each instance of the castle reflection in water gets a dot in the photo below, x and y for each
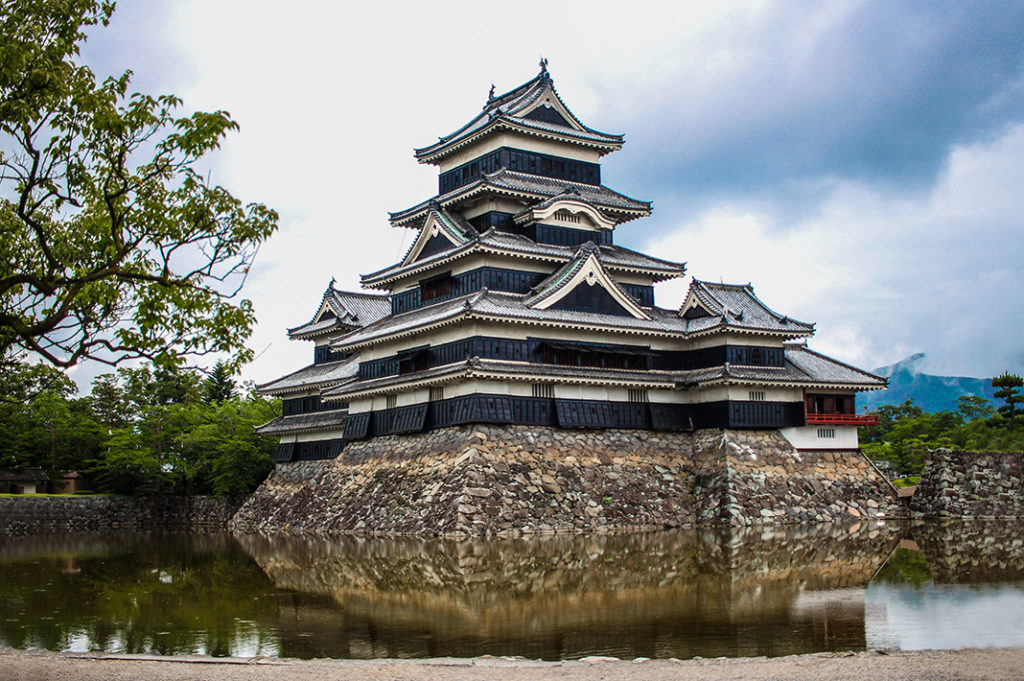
(679, 594)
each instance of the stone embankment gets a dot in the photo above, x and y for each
(486, 480)
(970, 485)
(23, 515)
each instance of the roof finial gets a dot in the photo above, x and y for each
(544, 65)
(332, 282)
(490, 95)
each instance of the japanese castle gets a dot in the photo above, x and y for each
(515, 305)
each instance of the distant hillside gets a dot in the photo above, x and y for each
(931, 393)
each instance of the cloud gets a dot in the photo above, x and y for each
(797, 97)
(859, 162)
(886, 275)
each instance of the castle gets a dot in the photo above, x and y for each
(514, 310)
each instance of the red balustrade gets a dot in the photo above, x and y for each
(842, 420)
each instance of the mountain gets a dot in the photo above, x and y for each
(931, 393)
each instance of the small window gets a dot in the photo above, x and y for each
(437, 394)
(757, 396)
(826, 433)
(436, 287)
(544, 390)
(638, 396)
(392, 401)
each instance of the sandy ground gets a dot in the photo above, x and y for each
(991, 664)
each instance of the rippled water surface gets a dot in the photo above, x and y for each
(672, 594)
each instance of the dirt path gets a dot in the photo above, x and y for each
(999, 664)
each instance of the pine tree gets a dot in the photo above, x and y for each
(1009, 390)
(219, 386)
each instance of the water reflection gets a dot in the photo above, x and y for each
(677, 594)
(134, 593)
(948, 586)
(673, 594)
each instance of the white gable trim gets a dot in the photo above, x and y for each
(693, 302)
(593, 274)
(550, 99)
(431, 227)
(574, 207)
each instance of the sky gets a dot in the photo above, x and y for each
(860, 163)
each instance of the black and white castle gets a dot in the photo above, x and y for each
(514, 305)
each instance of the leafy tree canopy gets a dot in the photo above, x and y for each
(112, 244)
(905, 432)
(142, 430)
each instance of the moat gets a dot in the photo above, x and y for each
(684, 593)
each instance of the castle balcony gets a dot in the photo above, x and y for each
(842, 420)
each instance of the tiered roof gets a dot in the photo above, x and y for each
(314, 376)
(515, 308)
(495, 242)
(585, 268)
(802, 368)
(527, 187)
(343, 311)
(511, 111)
(578, 299)
(714, 307)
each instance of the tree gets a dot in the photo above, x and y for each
(112, 244)
(219, 386)
(973, 407)
(1009, 390)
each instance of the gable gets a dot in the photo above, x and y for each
(549, 108)
(435, 244)
(435, 237)
(695, 308)
(584, 285)
(570, 211)
(587, 298)
(548, 115)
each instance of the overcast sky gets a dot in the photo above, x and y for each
(861, 163)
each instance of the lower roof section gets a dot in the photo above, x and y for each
(304, 423)
(802, 368)
(313, 377)
(569, 413)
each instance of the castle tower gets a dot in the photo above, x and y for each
(516, 308)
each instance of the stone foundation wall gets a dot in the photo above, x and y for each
(971, 485)
(30, 515)
(484, 480)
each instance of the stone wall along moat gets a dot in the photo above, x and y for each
(487, 480)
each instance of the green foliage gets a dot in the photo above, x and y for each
(219, 385)
(142, 430)
(1009, 390)
(906, 566)
(112, 244)
(905, 433)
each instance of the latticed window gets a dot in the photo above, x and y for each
(826, 432)
(437, 394)
(544, 390)
(392, 401)
(637, 395)
(757, 396)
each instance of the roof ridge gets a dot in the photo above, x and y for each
(806, 349)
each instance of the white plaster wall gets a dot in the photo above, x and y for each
(313, 437)
(360, 406)
(740, 393)
(517, 141)
(806, 437)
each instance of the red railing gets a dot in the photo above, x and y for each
(842, 420)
